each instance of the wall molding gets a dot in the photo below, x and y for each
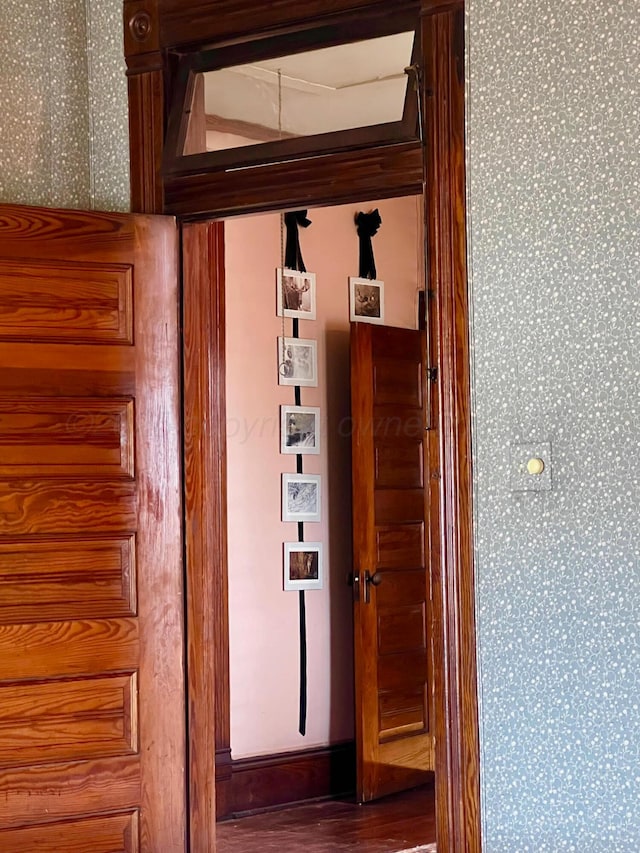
(268, 781)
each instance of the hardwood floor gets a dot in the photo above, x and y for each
(396, 823)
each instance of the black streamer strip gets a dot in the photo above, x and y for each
(293, 261)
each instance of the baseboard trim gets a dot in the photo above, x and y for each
(270, 781)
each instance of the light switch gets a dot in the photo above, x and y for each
(530, 469)
(535, 465)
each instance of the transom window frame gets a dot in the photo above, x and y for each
(183, 106)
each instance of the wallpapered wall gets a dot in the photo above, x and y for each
(63, 101)
(553, 161)
(554, 165)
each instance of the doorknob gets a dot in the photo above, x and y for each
(369, 581)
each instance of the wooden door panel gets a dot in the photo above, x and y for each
(71, 720)
(397, 382)
(401, 628)
(390, 500)
(399, 464)
(45, 795)
(66, 438)
(71, 578)
(402, 712)
(52, 301)
(113, 834)
(66, 649)
(37, 506)
(91, 636)
(400, 546)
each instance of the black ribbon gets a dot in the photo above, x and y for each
(292, 254)
(302, 728)
(367, 225)
(293, 261)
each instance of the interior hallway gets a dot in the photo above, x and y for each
(397, 823)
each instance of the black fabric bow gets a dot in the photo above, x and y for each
(367, 224)
(292, 254)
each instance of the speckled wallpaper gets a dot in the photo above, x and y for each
(63, 102)
(554, 214)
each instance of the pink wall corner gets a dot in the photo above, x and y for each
(263, 618)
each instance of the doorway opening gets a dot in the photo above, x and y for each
(264, 762)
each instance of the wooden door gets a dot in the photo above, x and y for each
(91, 638)
(391, 581)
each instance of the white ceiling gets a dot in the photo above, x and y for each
(336, 88)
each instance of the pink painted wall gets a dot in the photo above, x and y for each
(264, 618)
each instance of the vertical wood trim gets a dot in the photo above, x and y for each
(206, 522)
(146, 123)
(457, 746)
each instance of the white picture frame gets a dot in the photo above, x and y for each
(366, 300)
(300, 430)
(298, 362)
(295, 294)
(302, 566)
(301, 497)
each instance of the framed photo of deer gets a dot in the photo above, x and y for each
(296, 294)
(366, 300)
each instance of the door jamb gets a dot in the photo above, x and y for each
(455, 696)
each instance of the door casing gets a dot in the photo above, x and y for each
(155, 32)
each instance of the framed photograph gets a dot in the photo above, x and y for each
(296, 294)
(366, 300)
(301, 497)
(297, 362)
(303, 565)
(299, 429)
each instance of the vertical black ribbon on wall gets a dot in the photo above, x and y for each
(293, 261)
(367, 225)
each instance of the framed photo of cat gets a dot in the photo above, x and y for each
(366, 300)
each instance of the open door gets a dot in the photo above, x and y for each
(394, 742)
(92, 740)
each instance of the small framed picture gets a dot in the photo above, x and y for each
(297, 362)
(301, 497)
(296, 294)
(366, 300)
(303, 565)
(299, 429)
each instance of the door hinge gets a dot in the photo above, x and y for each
(432, 374)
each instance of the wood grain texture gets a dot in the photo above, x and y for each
(66, 438)
(206, 521)
(67, 720)
(332, 179)
(111, 834)
(205, 22)
(211, 21)
(47, 793)
(70, 302)
(58, 578)
(91, 653)
(141, 28)
(392, 641)
(290, 777)
(146, 139)
(456, 716)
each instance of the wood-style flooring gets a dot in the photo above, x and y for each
(396, 823)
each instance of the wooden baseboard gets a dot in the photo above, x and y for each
(269, 781)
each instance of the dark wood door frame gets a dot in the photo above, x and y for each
(154, 30)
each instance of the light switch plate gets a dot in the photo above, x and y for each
(520, 480)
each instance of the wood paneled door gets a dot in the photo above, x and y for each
(394, 740)
(92, 741)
